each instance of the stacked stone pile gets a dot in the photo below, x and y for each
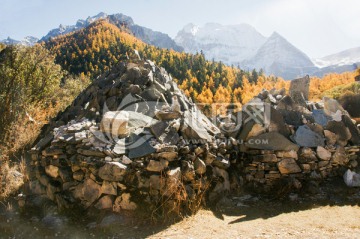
(133, 140)
(296, 139)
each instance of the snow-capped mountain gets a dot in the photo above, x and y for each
(27, 41)
(62, 29)
(243, 45)
(230, 44)
(145, 34)
(347, 57)
(279, 57)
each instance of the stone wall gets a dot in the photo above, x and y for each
(133, 140)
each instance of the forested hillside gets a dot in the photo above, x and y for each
(94, 50)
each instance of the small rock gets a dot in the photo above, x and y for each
(188, 171)
(167, 115)
(221, 162)
(256, 130)
(170, 156)
(78, 175)
(353, 163)
(52, 171)
(322, 153)
(88, 192)
(321, 117)
(288, 165)
(343, 134)
(112, 171)
(115, 123)
(266, 158)
(352, 179)
(109, 188)
(339, 157)
(209, 158)
(290, 154)
(330, 137)
(125, 160)
(106, 202)
(123, 202)
(157, 166)
(200, 167)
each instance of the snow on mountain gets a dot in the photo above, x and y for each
(347, 57)
(27, 41)
(243, 45)
(279, 57)
(145, 34)
(63, 29)
(10, 41)
(230, 44)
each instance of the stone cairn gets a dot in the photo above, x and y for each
(296, 140)
(133, 140)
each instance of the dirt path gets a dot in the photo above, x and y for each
(320, 222)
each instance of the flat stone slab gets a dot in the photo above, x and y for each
(271, 141)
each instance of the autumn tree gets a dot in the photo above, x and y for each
(28, 75)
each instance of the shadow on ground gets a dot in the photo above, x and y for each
(332, 192)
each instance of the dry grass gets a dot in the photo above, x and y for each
(175, 202)
(11, 179)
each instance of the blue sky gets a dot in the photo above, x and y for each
(317, 27)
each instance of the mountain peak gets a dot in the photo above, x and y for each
(191, 28)
(27, 41)
(120, 20)
(276, 35)
(279, 57)
(233, 43)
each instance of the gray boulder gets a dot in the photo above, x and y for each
(305, 137)
(271, 141)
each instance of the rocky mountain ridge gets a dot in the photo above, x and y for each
(120, 20)
(147, 35)
(27, 41)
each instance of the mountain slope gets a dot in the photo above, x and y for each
(120, 20)
(27, 41)
(229, 44)
(347, 57)
(94, 49)
(279, 57)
